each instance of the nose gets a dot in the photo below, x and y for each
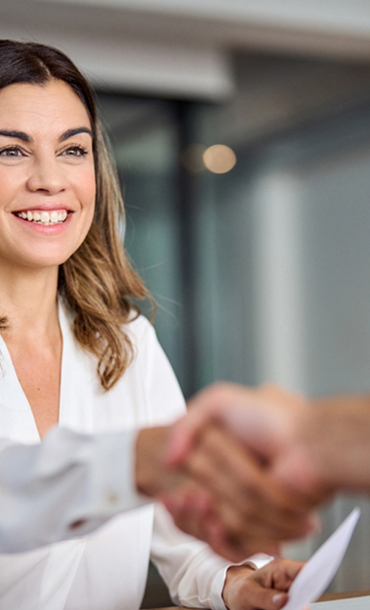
(46, 176)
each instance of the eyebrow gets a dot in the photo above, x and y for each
(73, 132)
(21, 135)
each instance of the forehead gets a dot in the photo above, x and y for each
(51, 108)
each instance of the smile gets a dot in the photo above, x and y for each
(43, 217)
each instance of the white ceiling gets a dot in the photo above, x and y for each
(183, 47)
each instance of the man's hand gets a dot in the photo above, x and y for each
(261, 419)
(259, 429)
(271, 424)
(255, 511)
(248, 466)
(221, 495)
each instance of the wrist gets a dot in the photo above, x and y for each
(149, 466)
(234, 579)
(339, 441)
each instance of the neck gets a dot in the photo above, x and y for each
(29, 301)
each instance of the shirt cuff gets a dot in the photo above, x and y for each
(115, 457)
(259, 560)
(217, 588)
(256, 561)
(111, 487)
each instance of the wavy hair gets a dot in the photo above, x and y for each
(97, 282)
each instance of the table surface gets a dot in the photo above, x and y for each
(327, 597)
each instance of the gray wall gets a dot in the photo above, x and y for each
(294, 286)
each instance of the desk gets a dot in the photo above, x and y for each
(326, 597)
(330, 596)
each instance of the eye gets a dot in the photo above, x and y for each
(75, 151)
(11, 151)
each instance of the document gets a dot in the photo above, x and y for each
(316, 575)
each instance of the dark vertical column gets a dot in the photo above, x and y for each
(186, 201)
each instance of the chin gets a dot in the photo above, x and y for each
(36, 262)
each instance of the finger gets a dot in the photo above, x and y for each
(297, 472)
(203, 522)
(256, 596)
(292, 568)
(288, 571)
(237, 407)
(279, 573)
(235, 546)
(222, 543)
(227, 470)
(192, 505)
(275, 393)
(244, 532)
(204, 526)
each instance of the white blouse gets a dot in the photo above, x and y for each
(105, 570)
(66, 487)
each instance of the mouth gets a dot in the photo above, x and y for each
(42, 217)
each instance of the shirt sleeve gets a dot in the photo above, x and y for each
(64, 487)
(193, 573)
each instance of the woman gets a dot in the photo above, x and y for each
(75, 352)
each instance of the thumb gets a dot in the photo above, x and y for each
(262, 430)
(296, 471)
(267, 599)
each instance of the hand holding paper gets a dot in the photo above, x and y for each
(316, 575)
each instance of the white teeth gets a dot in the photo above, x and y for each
(44, 218)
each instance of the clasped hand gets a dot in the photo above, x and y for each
(217, 474)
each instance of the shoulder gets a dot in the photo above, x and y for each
(163, 395)
(139, 329)
(148, 352)
(143, 337)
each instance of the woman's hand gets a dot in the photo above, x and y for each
(263, 589)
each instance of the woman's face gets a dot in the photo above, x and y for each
(47, 178)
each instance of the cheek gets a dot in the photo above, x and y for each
(10, 183)
(86, 190)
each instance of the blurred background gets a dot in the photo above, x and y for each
(241, 131)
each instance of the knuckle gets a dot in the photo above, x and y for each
(218, 393)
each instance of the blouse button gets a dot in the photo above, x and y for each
(113, 498)
(76, 524)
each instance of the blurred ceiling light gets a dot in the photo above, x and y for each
(192, 158)
(219, 159)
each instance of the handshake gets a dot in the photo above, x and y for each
(245, 469)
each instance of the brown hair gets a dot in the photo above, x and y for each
(97, 281)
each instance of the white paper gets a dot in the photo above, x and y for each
(316, 575)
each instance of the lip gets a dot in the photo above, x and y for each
(45, 208)
(46, 229)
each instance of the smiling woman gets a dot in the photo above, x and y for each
(75, 351)
(47, 176)
(50, 145)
